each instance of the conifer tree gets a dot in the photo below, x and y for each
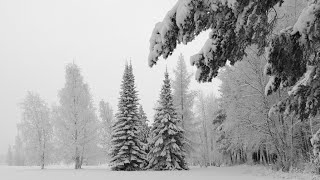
(126, 148)
(167, 142)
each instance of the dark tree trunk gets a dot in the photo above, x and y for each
(77, 163)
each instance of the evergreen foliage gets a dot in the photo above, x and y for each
(127, 152)
(234, 25)
(293, 57)
(167, 139)
(292, 53)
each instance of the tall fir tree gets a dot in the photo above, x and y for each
(167, 141)
(127, 152)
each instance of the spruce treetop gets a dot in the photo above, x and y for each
(127, 150)
(167, 151)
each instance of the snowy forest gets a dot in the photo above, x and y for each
(264, 52)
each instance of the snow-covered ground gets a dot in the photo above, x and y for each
(102, 173)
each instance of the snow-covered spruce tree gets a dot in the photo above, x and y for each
(127, 152)
(167, 142)
(106, 115)
(183, 100)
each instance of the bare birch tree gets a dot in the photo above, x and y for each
(35, 127)
(76, 122)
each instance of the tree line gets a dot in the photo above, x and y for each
(71, 132)
(68, 132)
(267, 113)
(189, 127)
(266, 53)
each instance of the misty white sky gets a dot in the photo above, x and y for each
(38, 38)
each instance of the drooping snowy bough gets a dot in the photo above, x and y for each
(234, 26)
(293, 54)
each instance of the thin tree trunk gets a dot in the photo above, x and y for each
(182, 105)
(291, 153)
(77, 158)
(264, 157)
(42, 160)
(260, 153)
(43, 151)
(268, 155)
(82, 154)
(204, 125)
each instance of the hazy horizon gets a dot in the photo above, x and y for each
(39, 38)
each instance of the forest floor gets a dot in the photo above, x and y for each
(243, 172)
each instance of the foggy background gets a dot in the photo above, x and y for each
(38, 38)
